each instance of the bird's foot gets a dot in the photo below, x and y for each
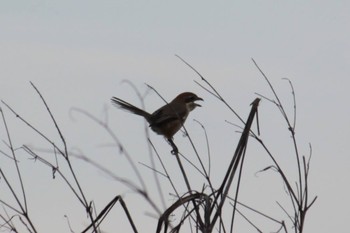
(174, 151)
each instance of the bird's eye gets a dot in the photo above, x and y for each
(190, 98)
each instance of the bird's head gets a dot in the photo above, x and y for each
(189, 99)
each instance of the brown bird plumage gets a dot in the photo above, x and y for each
(168, 119)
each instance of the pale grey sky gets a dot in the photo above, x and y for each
(78, 52)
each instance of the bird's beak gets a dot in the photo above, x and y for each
(198, 99)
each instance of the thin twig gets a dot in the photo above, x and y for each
(213, 91)
(116, 140)
(23, 207)
(208, 148)
(152, 169)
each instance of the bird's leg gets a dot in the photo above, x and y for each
(175, 150)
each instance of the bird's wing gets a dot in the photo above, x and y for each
(166, 115)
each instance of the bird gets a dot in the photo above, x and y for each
(168, 119)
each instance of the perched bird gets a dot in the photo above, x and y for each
(168, 119)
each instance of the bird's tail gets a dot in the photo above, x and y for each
(129, 107)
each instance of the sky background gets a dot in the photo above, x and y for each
(78, 52)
